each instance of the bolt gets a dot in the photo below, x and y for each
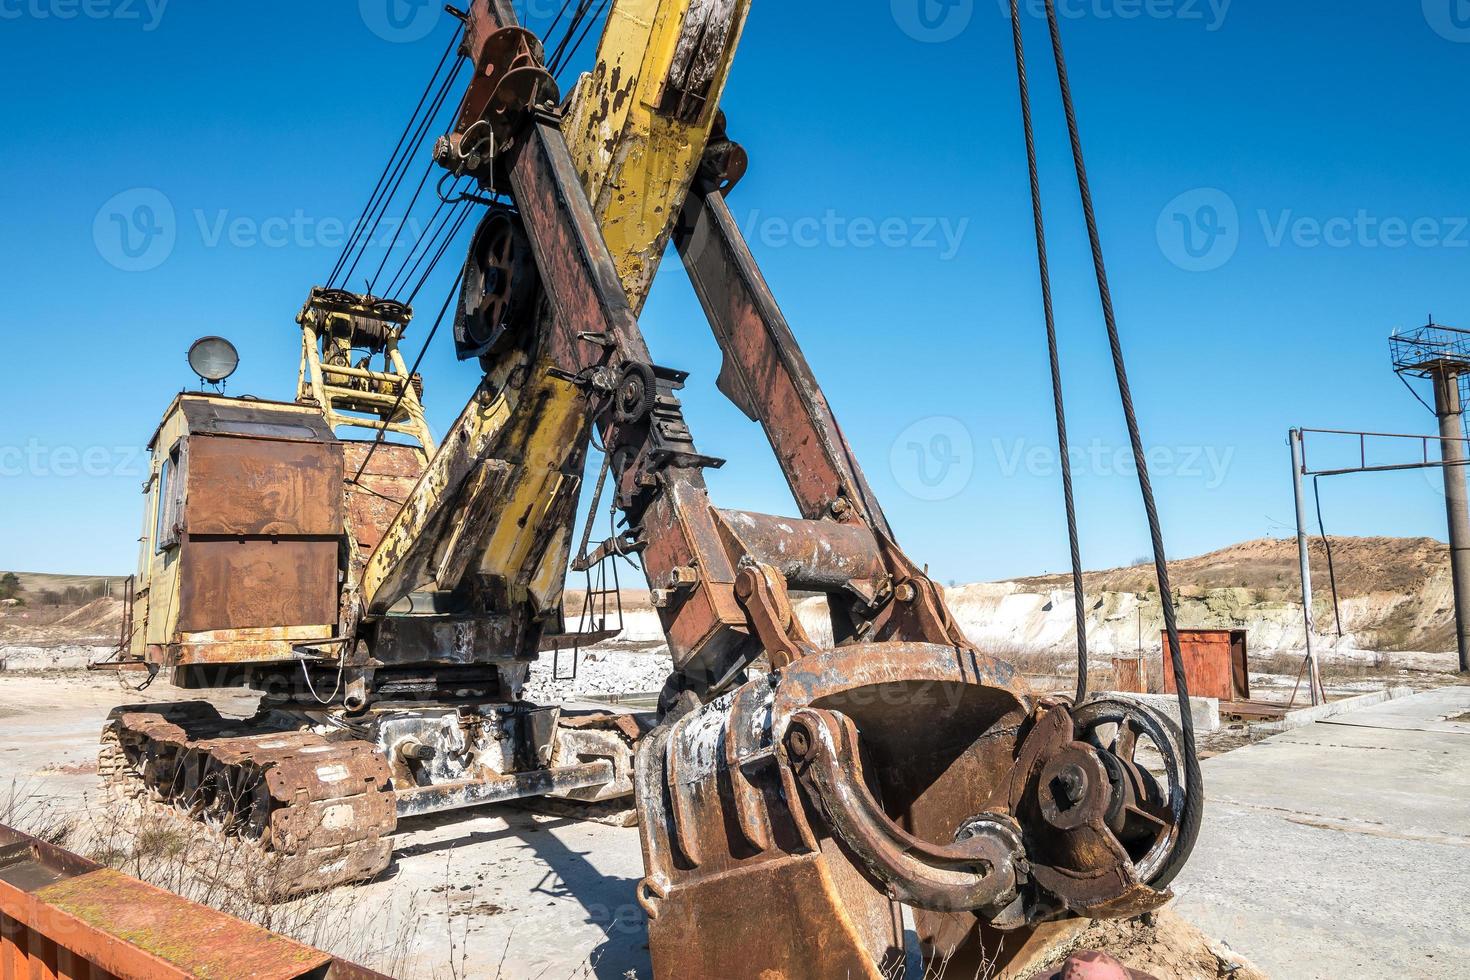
(840, 507)
(905, 593)
(417, 750)
(1072, 782)
(798, 742)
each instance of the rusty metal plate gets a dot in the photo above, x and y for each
(1214, 664)
(260, 487)
(63, 916)
(257, 584)
(215, 415)
(379, 493)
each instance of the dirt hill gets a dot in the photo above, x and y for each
(1395, 593)
(62, 610)
(1364, 566)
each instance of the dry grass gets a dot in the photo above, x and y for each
(23, 809)
(170, 852)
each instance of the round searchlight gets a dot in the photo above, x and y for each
(213, 358)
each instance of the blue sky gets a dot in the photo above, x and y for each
(1313, 152)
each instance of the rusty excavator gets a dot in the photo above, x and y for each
(862, 808)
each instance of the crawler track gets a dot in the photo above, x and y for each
(318, 811)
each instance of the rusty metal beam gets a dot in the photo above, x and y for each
(765, 373)
(62, 916)
(520, 786)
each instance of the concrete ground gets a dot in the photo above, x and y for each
(1339, 849)
(1334, 850)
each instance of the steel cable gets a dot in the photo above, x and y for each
(1194, 800)
(1058, 402)
(365, 240)
(407, 382)
(566, 54)
(408, 128)
(409, 267)
(398, 232)
(583, 7)
(464, 214)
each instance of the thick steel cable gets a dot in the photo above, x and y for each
(560, 14)
(583, 7)
(409, 267)
(388, 168)
(1194, 800)
(408, 381)
(449, 240)
(1079, 600)
(409, 271)
(398, 232)
(565, 58)
(365, 240)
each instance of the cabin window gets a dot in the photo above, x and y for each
(170, 500)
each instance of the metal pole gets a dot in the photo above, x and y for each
(1448, 406)
(1298, 469)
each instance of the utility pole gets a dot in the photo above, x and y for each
(1441, 355)
(1451, 412)
(1298, 470)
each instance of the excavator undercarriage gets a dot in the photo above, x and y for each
(807, 809)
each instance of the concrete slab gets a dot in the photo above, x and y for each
(1431, 711)
(1339, 849)
(1204, 711)
(1321, 712)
